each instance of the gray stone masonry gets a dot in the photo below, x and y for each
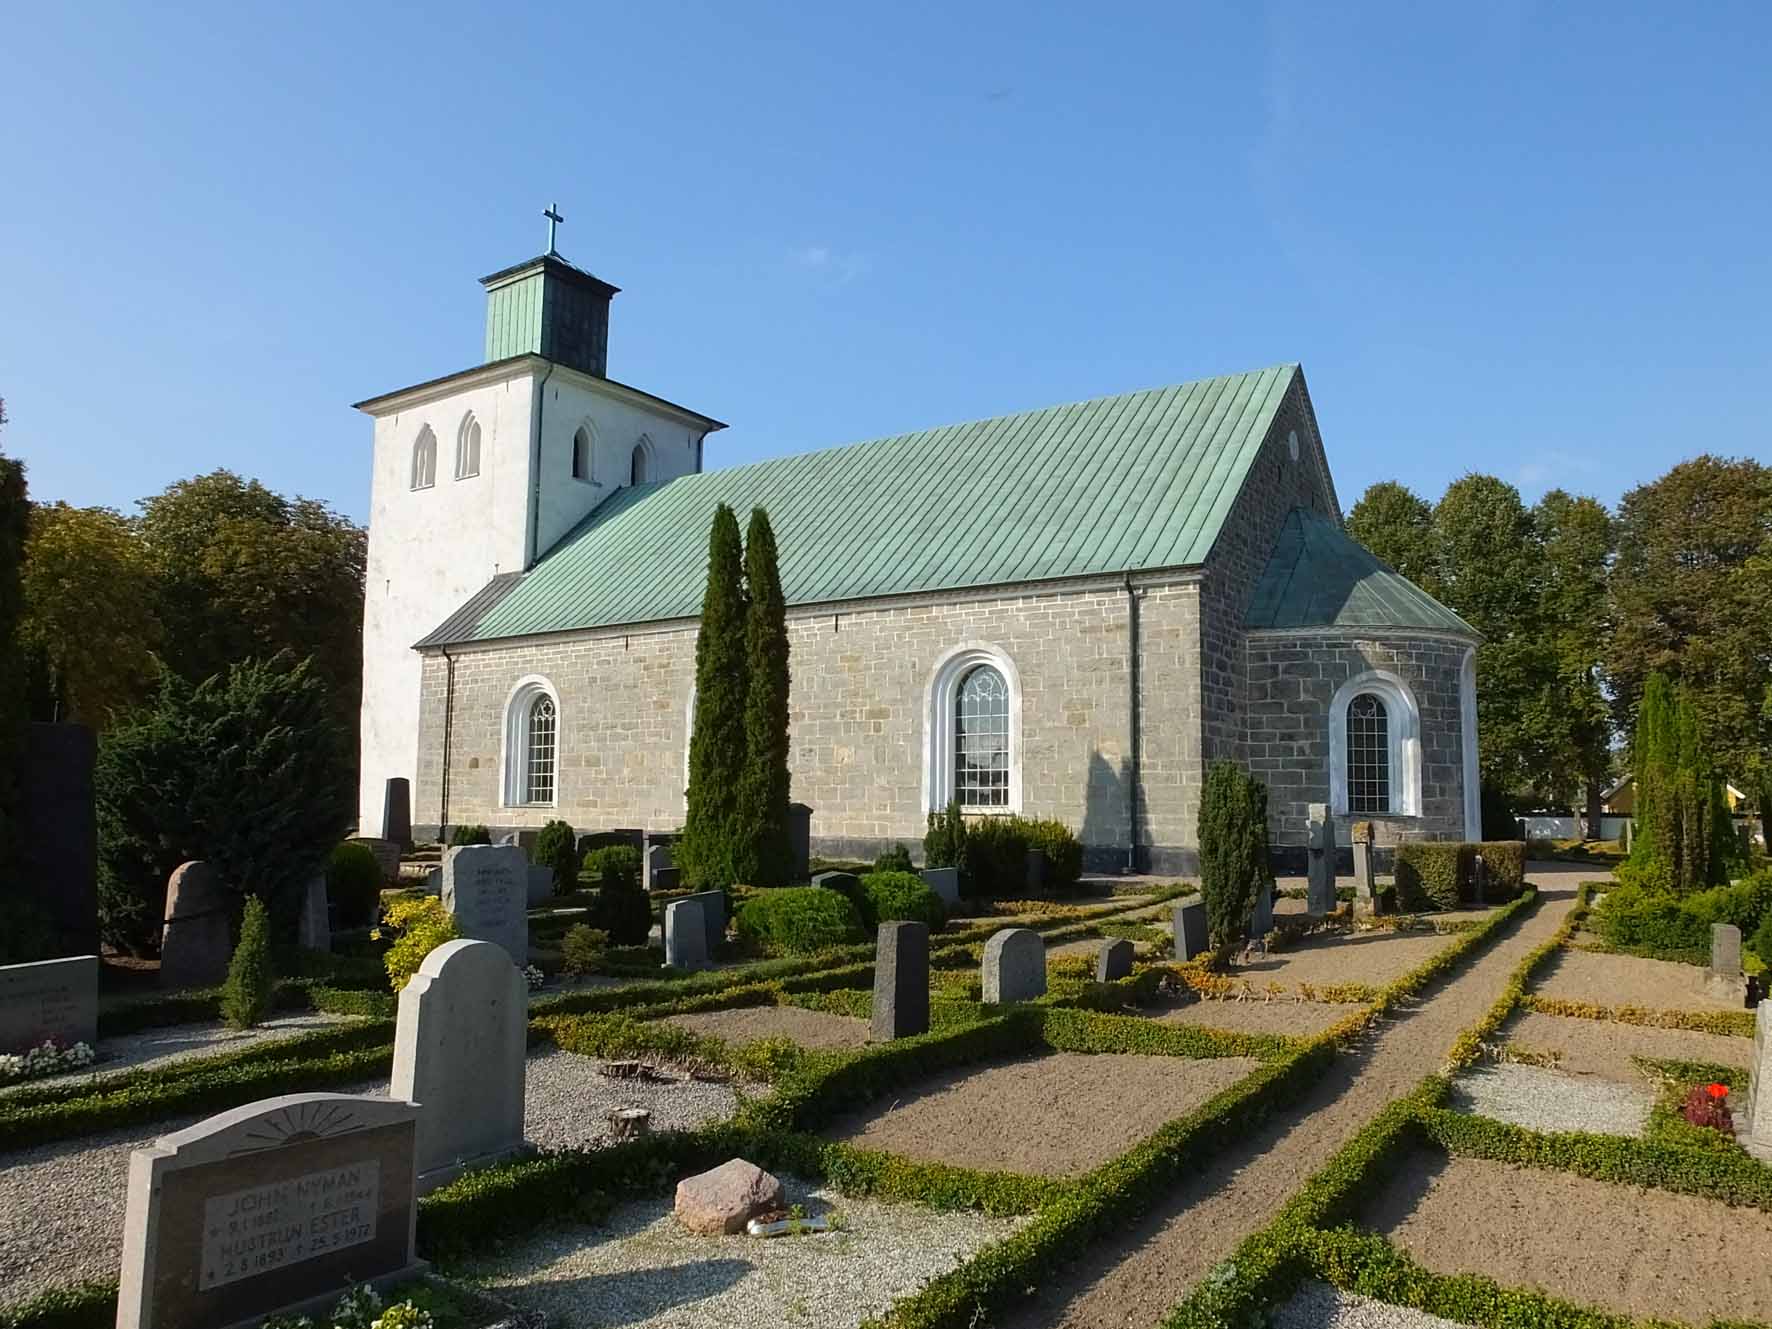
(1113, 960)
(1014, 966)
(1189, 924)
(195, 945)
(901, 981)
(685, 935)
(945, 882)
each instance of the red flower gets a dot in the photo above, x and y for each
(1717, 1090)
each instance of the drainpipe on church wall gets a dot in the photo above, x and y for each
(541, 398)
(448, 727)
(1131, 727)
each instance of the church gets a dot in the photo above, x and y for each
(1067, 612)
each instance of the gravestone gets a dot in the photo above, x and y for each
(1014, 966)
(901, 981)
(540, 884)
(1036, 871)
(659, 859)
(1365, 879)
(459, 1043)
(486, 887)
(1320, 890)
(387, 857)
(55, 1000)
(53, 862)
(1113, 960)
(1755, 1135)
(195, 945)
(685, 935)
(945, 882)
(396, 811)
(845, 883)
(1724, 978)
(713, 912)
(313, 929)
(277, 1206)
(800, 840)
(1261, 917)
(1190, 928)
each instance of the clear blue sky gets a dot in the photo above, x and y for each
(1527, 239)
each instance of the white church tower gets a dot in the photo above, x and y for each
(478, 474)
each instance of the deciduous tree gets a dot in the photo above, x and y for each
(1395, 524)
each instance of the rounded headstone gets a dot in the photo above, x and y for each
(195, 944)
(1014, 966)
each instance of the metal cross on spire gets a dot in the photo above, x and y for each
(554, 219)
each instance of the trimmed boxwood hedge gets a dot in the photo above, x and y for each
(1431, 874)
(893, 896)
(797, 920)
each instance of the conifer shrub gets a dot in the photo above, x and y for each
(583, 948)
(1233, 851)
(763, 854)
(1652, 919)
(713, 843)
(995, 862)
(353, 883)
(622, 908)
(557, 848)
(420, 925)
(470, 835)
(1431, 874)
(246, 995)
(895, 859)
(944, 842)
(1062, 848)
(1506, 861)
(797, 920)
(892, 896)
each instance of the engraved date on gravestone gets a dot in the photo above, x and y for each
(252, 1232)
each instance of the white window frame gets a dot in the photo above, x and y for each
(1402, 727)
(467, 448)
(940, 696)
(514, 756)
(424, 459)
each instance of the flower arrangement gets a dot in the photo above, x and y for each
(534, 977)
(360, 1308)
(47, 1058)
(1708, 1105)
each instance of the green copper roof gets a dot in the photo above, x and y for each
(1113, 485)
(1318, 577)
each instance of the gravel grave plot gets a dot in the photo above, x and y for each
(810, 1029)
(162, 1047)
(1297, 1019)
(639, 1269)
(1626, 980)
(61, 1204)
(1347, 957)
(1054, 1115)
(1638, 1251)
(1605, 1047)
(1547, 1100)
(1320, 1306)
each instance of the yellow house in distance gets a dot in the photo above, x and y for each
(1621, 798)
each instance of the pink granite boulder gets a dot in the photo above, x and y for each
(724, 1200)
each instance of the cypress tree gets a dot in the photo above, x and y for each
(717, 742)
(1684, 832)
(1651, 767)
(765, 856)
(246, 997)
(1233, 851)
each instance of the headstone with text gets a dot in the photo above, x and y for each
(459, 1043)
(195, 943)
(49, 1000)
(1014, 966)
(486, 887)
(274, 1207)
(901, 981)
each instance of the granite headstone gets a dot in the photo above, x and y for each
(486, 887)
(313, 928)
(396, 811)
(387, 856)
(713, 912)
(1261, 917)
(901, 981)
(1113, 960)
(945, 882)
(1190, 928)
(1014, 966)
(685, 935)
(845, 883)
(539, 880)
(1724, 979)
(659, 859)
(1320, 882)
(54, 1000)
(1755, 1135)
(195, 944)
(799, 841)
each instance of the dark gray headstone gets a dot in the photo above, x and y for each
(658, 859)
(800, 840)
(195, 944)
(396, 811)
(1113, 960)
(313, 929)
(685, 935)
(611, 839)
(387, 856)
(1036, 871)
(945, 882)
(845, 882)
(1190, 928)
(901, 981)
(1261, 918)
(713, 912)
(1725, 950)
(1320, 884)
(56, 863)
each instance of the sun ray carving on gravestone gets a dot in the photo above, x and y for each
(297, 1124)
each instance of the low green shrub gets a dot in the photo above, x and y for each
(891, 896)
(420, 926)
(583, 948)
(1654, 920)
(993, 855)
(796, 920)
(246, 996)
(1506, 861)
(91, 1305)
(353, 883)
(557, 848)
(895, 859)
(944, 842)
(1063, 851)
(1430, 874)
(621, 908)
(470, 835)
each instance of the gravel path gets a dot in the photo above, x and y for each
(61, 1205)
(1546, 1100)
(1320, 1306)
(162, 1047)
(1136, 1276)
(640, 1269)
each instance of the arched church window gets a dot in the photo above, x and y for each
(981, 739)
(637, 472)
(581, 454)
(467, 448)
(1368, 755)
(532, 745)
(424, 459)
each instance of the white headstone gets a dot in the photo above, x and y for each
(1014, 966)
(55, 1000)
(686, 934)
(1755, 1134)
(459, 1044)
(486, 887)
(277, 1206)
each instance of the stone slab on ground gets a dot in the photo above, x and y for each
(747, 1024)
(1628, 980)
(1322, 959)
(1545, 1100)
(1054, 1115)
(1320, 1306)
(1605, 1047)
(1674, 1256)
(1295, 1019)
(640, 1270)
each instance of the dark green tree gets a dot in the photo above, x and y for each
(764, 856)
(246, 995)
(557, 848)
(708, 850)
(1395, 524)
(1233, 851)
(1684, 840)
(246, 770)
(15, 510)
(1575, 536)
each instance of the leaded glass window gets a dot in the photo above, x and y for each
(538, 775)
(1368, 755)
(981, 740)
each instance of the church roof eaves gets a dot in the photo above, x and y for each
(1318, 576)
(1130, 483)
